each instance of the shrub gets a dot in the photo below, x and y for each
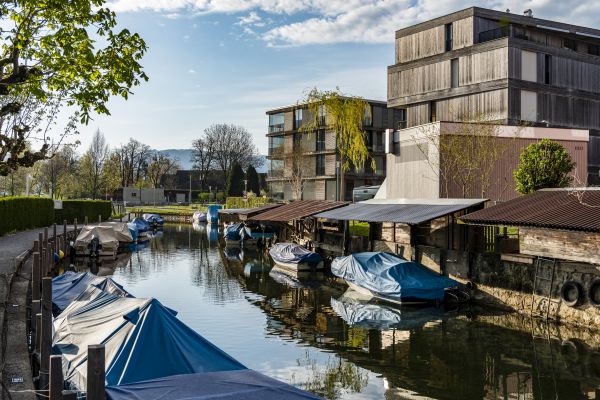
(80, 209)
(240, 202)
(219, 196)
(20, 213)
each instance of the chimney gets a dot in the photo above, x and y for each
(528, 13)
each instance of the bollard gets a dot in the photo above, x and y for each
(40, 240)
(95, 373)
(56, 378)
(46, 340)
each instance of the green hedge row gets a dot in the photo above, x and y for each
(240, 202)
(20, 213)
(80, 209)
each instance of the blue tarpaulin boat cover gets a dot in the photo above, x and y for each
(235, 232)
(223, 385)
(142, 225)
(143, 340)
(153, 219)
(133, 230)
(293, 253)
(357, 312)
(68, 286)
(212, 213)
(391, 276)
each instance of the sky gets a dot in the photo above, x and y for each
(229, 61)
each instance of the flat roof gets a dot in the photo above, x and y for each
(297, 210)
(300, 105)
(576, 209)
(403, 211)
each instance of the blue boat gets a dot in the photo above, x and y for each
(155, 220)
(143, 228)
(133, 230)
(391, 278)
(295, 257)
(212, 213)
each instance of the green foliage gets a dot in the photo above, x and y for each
(253, 180)
(545, 164)
(240, 202)
(359, 228)
(345, 115)
(81, 208)
(219, 196)
(20, 213)
(235, 181)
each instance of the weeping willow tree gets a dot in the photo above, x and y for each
(345, 115)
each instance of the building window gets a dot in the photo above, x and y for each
(368, 119)
(448, 35)
(320, 165)
(322, 115)
(593, 50)
(276, 145)
(570, 44)
(432, 112)
(454, 72)
(320, 145)
(276, 122)
(396, 143)
(528, 106)
(400, 118)
(297, 118)
(548, 69)
(377, 140)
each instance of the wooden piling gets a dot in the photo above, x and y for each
(36, 277)
(66, 236)
(75, 224)
(54, 232)
(85, 221)
(69, 395)
(36, 246)
(99, 218)
(46, 344)
(56, 378)
(95, 373)
(45, 235)
(41, 240)
(38, 332)
(35, 310)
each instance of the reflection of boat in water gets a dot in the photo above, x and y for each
(198, 217)
(295, 257)
(391, 278)
(198, 227)
(357, 310)
(234, 254)
(296, 279)
(255, 265)
(212, 232)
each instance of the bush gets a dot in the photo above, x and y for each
(240, 202)
(81, 208)
(220, 196)
(20, 213)
(203, 197)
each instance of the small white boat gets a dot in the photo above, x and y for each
(199, 217)
(295, 257)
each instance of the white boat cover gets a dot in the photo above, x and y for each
(121, 231)
(106, 234)
(143, 341)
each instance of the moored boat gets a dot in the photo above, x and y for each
(155, 220)
(97, 241)
(295, 257)
(393, 279)
(143, 228)
(199, 217)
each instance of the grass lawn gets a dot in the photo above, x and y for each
(358, 228)
(168, 210)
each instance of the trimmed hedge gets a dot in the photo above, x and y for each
(80, 209)
(240, 202)
(20, 213)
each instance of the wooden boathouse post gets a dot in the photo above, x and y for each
(56, 378)
(46, 345)
(96, 373)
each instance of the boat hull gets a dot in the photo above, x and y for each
(299, 266)
(366, 292)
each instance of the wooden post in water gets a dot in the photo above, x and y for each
(69, 395)
(36, 246)
(38, 332)
(54, 232)
(36, 277)
(46, 345)
(75, 224)
(99, 218)
(129, 216)
(66, 236)
(35, 311)
(40, 240)
(45, 235)
(85, 221)
(56, 378)
(95, 373)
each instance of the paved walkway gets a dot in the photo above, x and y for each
(15, 367)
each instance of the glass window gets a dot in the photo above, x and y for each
(368, 119)
(548, 69)
(570, 44)
(454, 72)
(276, 122)
(330, 190)
(276, 190)
(396, 143)
(322, 115)
(276, 145)
(320, 165)
(432, 112)
(448, 34)
(276, 168)
(379, 165)
(298, 118)
(320, 140)
(593, 50)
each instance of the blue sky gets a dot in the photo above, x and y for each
(213, 61)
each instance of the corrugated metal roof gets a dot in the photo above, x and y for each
(573, 209)
(410, 214)
(297, 210)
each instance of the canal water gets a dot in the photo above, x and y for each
(310, 332)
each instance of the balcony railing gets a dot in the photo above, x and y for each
(276, 128)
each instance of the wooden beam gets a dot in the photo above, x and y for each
(96, 373)
(56, 378)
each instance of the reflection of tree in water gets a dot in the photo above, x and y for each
(334, 379)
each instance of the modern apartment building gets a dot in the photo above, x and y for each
(510, 68)
(321, 177)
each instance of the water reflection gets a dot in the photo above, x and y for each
(307, 331)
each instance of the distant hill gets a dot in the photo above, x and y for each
(184, 156)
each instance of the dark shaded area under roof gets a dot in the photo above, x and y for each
(410, 214)
(297, 210)
(569, 209)
(245, 213)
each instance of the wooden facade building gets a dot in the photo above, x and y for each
(510, 68)
(319, 150)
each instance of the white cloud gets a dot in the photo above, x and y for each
(191, 71)
(353, 21)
